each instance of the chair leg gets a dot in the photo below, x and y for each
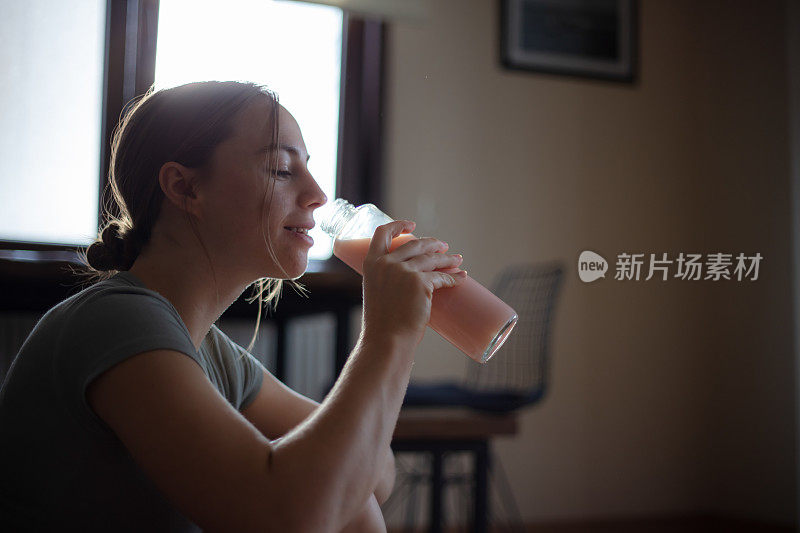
(436, 515)
(506, 509)
(417, 478)
(412, 479)
(455, 480)
(411, 510)
(449, 508)
(507, 499)
(464, 494)
(460, 482)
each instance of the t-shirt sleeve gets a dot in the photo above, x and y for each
(104, 330)
(236, 372)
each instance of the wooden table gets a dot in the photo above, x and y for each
(440, 430)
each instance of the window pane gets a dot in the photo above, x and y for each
(51, 60)
(291, 47)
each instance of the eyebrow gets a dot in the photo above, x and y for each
(288, 148)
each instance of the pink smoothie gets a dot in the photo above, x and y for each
(469, 315)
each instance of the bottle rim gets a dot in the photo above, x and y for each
(336, 217)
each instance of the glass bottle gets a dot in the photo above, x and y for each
(468, 315)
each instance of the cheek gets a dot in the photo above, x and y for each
(275, 209)
(249, 198)
(236, 212)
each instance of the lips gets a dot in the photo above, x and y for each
(301, 224)
(300, 236)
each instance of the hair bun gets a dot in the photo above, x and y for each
(115, 250)
(113, 239)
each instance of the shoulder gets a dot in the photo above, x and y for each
(111, 307)
(118, 296)
(96, 329)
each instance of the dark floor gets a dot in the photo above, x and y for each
(670, 525)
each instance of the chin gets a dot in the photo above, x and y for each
(294, 269)
(295, 275)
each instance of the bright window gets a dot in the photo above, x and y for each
(51, 63)
(293, 48)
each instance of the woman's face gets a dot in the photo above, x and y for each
(237, 191)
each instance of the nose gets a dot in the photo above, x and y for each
(315, 196)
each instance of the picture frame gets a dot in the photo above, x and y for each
(586, 38)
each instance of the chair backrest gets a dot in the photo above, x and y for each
(521, 364)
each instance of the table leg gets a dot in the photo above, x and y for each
(480, 491)
(436, 491)
(481, 500)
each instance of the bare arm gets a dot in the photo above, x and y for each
(347, 435)
(277, 409)
(369, 521)
(356, 421)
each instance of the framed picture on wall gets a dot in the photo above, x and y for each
(588, 38)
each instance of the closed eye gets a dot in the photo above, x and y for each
(284, 173)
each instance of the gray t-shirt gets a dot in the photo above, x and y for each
(61, 466)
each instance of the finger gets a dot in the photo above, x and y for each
(382, 238)
(417, 247)
(441, 280)
(449, 270)
(434, 261)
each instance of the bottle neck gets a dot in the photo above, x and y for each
(340, 213)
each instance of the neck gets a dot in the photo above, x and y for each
(188, 283)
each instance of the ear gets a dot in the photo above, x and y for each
(179, 184)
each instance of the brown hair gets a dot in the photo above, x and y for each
(184, 124)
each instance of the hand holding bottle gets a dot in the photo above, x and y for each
(399, 279)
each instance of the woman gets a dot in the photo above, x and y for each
(128, 410)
